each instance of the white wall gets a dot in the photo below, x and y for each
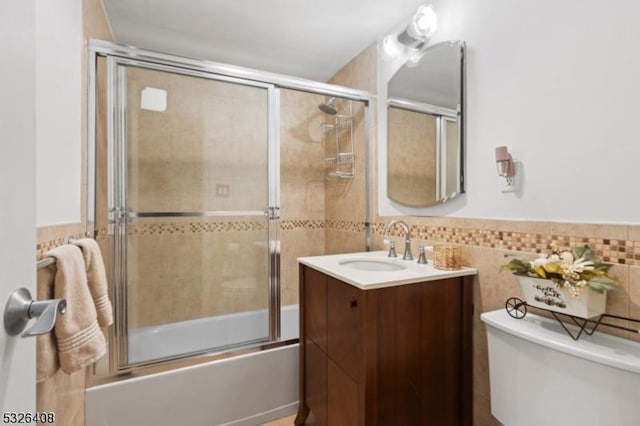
(17, 185)
(559, 83)
(58, 111)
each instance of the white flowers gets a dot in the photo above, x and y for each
(567, 257)
(582, 265)
(571, 270)
(566, 261)
(577, 287)
(578, 268)
(539, 262)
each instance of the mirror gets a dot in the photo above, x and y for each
(424, 128)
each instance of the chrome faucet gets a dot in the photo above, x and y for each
(407, 239)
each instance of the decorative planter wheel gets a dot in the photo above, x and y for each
(516, 307)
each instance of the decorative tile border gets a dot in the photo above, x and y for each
(302, 224)
(617, 251)
(345, 225)
(195, 227)
(102, 234)
(44, 246)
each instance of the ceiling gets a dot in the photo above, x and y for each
(302, 38)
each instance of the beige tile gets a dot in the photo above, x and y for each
(360, 72)
(178, 159)
(480, 360)
(634, 299)
(296, 243)
(337, 241)
(634, 232)
(600, 231)
(285, 421)
(95, 24)
(618, 301)
(411, 169)
(494, 287)
(63, 394)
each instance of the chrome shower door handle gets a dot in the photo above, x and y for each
(21, 308)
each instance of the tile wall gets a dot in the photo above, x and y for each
(206, 152)
(412, 162)
(302, 186)
(209, 266)
(346, 199)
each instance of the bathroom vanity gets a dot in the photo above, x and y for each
(384, 342)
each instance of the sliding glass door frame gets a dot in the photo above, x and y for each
(120, 214)
(117, 54)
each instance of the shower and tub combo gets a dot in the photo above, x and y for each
(242, 390)
(185, 187)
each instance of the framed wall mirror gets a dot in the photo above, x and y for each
(425, 134)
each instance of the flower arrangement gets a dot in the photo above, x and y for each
(578, 268)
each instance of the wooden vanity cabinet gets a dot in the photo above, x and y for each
(392, 356)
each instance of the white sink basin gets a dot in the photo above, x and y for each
(373, 269)
(374, 265)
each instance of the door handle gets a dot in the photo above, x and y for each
(21, 308)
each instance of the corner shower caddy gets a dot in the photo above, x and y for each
(517, 308)
(341, 162)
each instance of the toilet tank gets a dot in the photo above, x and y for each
(540, 376)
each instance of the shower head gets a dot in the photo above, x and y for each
(329, 107)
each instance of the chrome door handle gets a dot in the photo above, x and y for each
(21, 308)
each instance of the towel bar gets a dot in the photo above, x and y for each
(46, 261)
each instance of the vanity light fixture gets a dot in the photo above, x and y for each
(420, 29)
(416, 35)
(391, 46)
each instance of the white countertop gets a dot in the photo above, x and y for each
(367, 280)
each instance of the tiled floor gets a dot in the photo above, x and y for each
(285, 421)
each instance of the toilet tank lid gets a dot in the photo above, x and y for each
(601, 348)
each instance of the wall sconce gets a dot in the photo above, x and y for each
(506, 169)
(417, 33)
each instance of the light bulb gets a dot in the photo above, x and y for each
(391, 46)
(425, 22)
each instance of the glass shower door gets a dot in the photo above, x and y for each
(193, 193)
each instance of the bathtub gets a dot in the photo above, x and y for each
(245, 390)
(148, 343)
